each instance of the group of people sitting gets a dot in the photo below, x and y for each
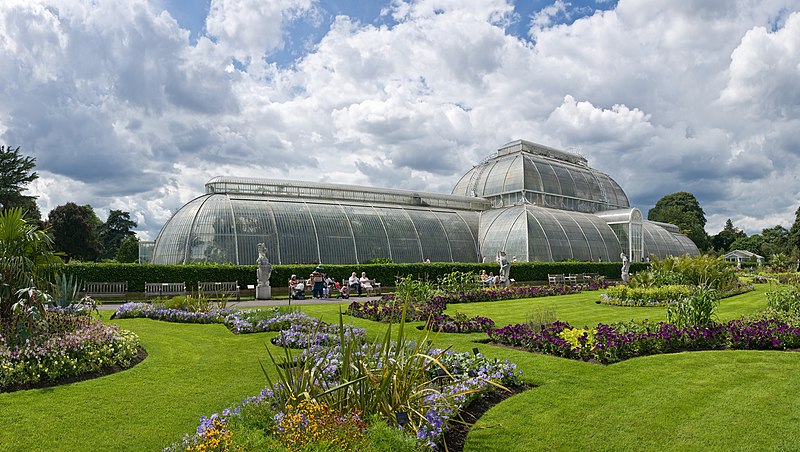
(323, 286)
(490, 279)
(354, 283)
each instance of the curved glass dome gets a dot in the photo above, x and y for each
(663, 239)
(227, 228)
(534, 233)
(528, 172)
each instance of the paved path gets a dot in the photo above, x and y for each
(113, 305)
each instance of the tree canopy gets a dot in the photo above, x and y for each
(683, 210)
(724, 239)
(16, 172)
(117, 227)
(74, 231)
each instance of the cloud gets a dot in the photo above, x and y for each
(123, 110)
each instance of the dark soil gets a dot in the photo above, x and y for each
(140, 356)
(454, 438)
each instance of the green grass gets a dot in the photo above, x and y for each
(701, 400)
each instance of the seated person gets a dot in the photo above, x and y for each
(485, 279)
(365, 283)
(297, 288)
(328, 287)
(490, 279)
(354, 284)
(342, 291)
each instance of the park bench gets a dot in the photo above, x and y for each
(218, 288)
(376, 286)
(555, 280)
(106, 289)
(164, 289)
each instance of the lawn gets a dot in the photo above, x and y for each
(701, 400)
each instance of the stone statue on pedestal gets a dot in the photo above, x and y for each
(263, 273)
(505, 268)
(626, 268)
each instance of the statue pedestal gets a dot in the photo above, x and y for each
(263, 293)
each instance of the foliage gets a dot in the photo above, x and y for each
(724, 239)
(26, 261)
(71, 345)
(784, 298)
(455, 282)
(117, 227)
(128, 250)
(411, 289)
(16, 172)
(74, 231)
(379, 261)
(696, 309)
(780, 262)
(578, 338)
(793, 240)
(701, 270)
(682, 210)
(388, 310)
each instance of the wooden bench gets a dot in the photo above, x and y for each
(217, 288)
(164, 289)
(555, 280)
(376, 286)
(106, 289)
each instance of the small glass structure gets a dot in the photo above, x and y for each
(534, 202)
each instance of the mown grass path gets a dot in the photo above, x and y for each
(689, 401)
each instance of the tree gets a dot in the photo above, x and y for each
(74, 231)
(26, 260)
(16, 172)
(776, 241)
(117, 227)
(722, 241)
(683, 210)
(128, 250)
(752, 243)
(794, 235)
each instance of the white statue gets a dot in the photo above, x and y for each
(264, 267)
(626, 268)
(505, 268)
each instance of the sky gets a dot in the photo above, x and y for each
(135, 104)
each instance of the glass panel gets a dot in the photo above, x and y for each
(403, 240)
(296, 238)
(371, 241)
(433, 238)
(336, 245)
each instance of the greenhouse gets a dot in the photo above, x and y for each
(534, 202)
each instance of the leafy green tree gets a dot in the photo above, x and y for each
(26, 260)
(751, 243)
(683, 210)
(776, 241)
(128, 250)
(74, 230)
(794, 235)
(723, 240)
(117, 227)
(16, 172)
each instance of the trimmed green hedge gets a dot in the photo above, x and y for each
(138, 274)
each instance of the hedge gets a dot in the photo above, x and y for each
(137, 274)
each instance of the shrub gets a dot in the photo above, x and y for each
(784, 298)
(459, 323)
(697, 308)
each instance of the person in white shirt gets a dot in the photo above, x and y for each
(354, 283)
(365, 283)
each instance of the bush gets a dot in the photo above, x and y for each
(784, 298)
(698, 308)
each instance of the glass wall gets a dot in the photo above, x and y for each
(226, 229)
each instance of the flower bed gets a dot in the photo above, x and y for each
(510, 293)
(618, 342)
(387, 310)
(448, 381)
(304, 334)
(79, 345)
(238, 321)
(459, 323)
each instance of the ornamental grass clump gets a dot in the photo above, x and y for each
(697, 308)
